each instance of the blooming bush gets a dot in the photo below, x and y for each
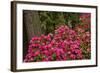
(84, 33)
(64, 44)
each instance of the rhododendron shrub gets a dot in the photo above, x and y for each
(64, 44)
(84, 32)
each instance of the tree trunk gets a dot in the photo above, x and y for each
(31, 27)
(32, 24)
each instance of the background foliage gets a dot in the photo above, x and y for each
(51, 20)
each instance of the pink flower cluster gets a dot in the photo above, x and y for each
(85, 19)
(62, 45)
(84, 34)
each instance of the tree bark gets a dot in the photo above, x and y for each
(32, 23)
(31, 27)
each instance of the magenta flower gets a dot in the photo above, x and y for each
(72, 56)
(36, 53)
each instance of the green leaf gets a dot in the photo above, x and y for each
(54, 56)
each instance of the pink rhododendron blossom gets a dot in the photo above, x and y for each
(64, 44)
